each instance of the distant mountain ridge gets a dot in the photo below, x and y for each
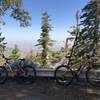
(26, 46)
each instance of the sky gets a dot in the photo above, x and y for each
(61, 12)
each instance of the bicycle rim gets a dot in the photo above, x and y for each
(93, 76)
(30, 74)
(63, 75)
(3, 75)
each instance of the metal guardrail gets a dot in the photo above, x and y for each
(49, 72)
(45, 72)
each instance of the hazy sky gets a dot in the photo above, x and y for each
(62, 13)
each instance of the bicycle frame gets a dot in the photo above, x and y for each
(9, 68)
(82, 64)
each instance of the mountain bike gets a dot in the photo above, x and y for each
(21, 72)
(64, 74)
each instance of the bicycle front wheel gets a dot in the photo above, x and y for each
(93, 75)
(3, 75)
(63, 75)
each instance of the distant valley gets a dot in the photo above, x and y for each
(26, 46)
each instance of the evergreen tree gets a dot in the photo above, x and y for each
(75, 30)
(15, 54)
(45, 40)
(2, 48)
(88, 39)
(17, 11)
(38, 59)
(2, 44)
(31, 55)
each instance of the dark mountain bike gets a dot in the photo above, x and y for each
(21, 72)
(64, 74)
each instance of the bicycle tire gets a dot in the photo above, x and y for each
(63, 79)
(3, 72)
(93, 75)
(27, 78)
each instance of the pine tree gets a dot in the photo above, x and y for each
(97, 49)
(88, 39)
(45, 40)
(75, 38)
(2, 48)
(2, 44)
(15, 54)
(90, 32)
(17, 11)
(31, 55)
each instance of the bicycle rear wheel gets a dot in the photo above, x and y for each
(30, 74)
(3, 75)
(63, 75)
(93, 75)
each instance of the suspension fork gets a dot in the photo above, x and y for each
(8, 67)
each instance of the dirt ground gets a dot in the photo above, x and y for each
(47, 89)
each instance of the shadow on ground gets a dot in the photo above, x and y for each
(47, 89)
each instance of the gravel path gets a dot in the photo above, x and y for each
(47, 89)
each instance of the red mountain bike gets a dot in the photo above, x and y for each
(20, 71)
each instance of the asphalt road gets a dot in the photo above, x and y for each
(47, 89)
